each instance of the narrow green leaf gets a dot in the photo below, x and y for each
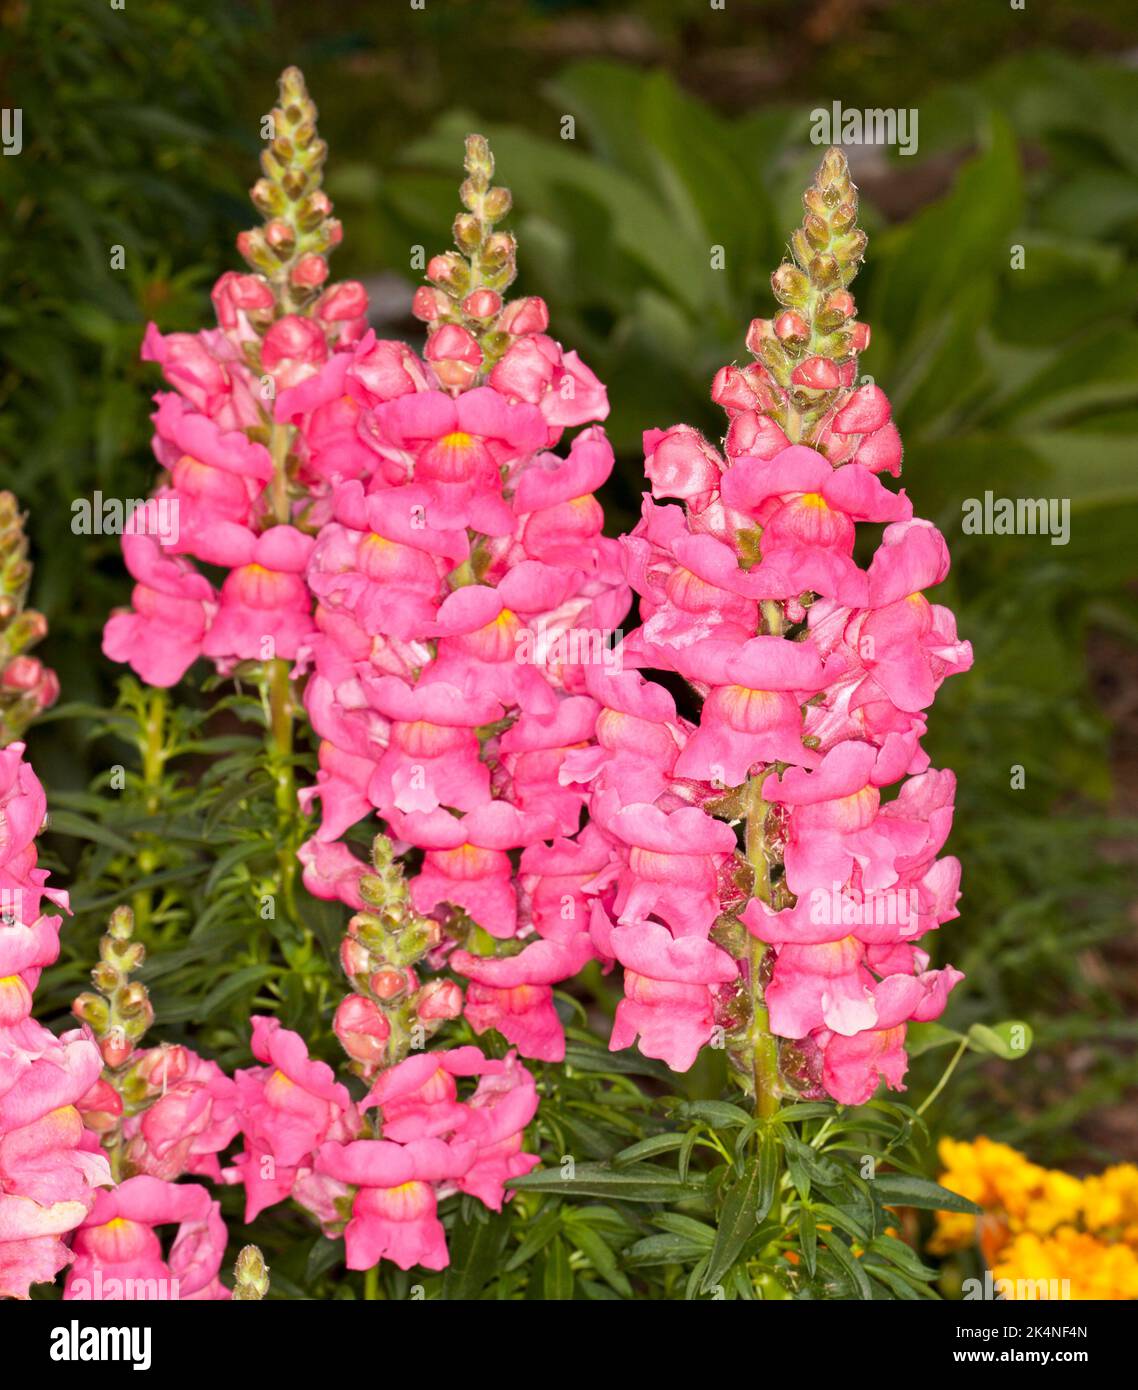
(848, 1261)
(745, 1205)
(901, 1190)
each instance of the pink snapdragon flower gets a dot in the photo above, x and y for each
(813, 676)
(48, 1172)
(118, 1253)
(288, 1108)
(437, 1144)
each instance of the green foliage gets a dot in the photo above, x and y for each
(185, 825)
(127, 137)
(1021, 381)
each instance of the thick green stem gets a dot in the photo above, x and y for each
(280, 440)
(281, 727)
(763, 1045)
(152, 747)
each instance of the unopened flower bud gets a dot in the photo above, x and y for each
(280, 236)
(791, 327)
(529, 315)
(309, 272)
(429, 304)
(439, 1000)
(251, 1276)
(390, 984)
(790, 285)
(355, 958)
(467, 232)
(758, 331)
(817, 373)
(859, 337)
(22, 673)
(107, 979)
(363, 1031)
(116, 1047)
(92, 1010)
(496, 204)
(342, 302)
(482, 304)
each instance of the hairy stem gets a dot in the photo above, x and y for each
(763, 1045)
(281, 728)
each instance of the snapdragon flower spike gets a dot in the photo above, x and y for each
(162, 1111)
(464, 593)
(389, 1011)
(50, 1166)
(766, 898)
(27, 687)
(260, 416)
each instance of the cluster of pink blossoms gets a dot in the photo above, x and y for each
(463, 590)
(305, 1139)
(227, 499)
(814, 675)
(50, 1165)
(401, 531)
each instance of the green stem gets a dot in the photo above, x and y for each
(281, 729)
(152, 747)
(945, 1075)
(371, 1284)
(763, 1045)
(280, 441)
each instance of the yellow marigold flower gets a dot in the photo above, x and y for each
(1092, 1268)
(1003, 1182)
(1110, 1201)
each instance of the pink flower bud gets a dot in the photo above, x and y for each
(455, 355)
(759, 330)
(439, 1000)
(116, 1047)
(101, 1107)
(731, 390)
(523, 316)
(452, 343)
(362, 1029)
(841, 302)
(22, 673)
(338, 303)
(859, 336)
(163, 1067)
(355, 958)
(865, 411)
(296, 341)
(428, 304)
(387, 984)
(790, 325)
(482, 304)
(441, 269)
(880, 452)
(756, 436)
(817, 373)
(279, 235)
(680, 462)
(309, 272)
